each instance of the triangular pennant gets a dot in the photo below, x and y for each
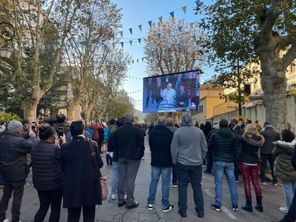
(122, 44)
(137, 60)
(160, 19)
(140, 27)
(180, 28)
(184, 9)
(121, 33)
(113, 36)
(143, 59)
(97, 40)
(159, 35)
(105, 47)
(150, 23)
(131, 42)
(131, 30)
(133, 61)
(139, 40)
(172, 14)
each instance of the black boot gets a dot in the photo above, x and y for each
(248, 207)
(259, 205)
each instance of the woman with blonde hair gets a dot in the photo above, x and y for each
(249, 161)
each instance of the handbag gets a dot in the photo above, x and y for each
(103, 180)
(104, 188)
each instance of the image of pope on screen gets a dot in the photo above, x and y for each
(178, 92)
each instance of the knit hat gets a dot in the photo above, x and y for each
(14, 126)
(77, 127)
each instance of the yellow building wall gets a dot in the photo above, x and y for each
(210, 103)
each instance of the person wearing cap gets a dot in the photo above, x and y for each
(129, 148)
(80, 161)
(270, 135)
(188, 150)
(14, 168)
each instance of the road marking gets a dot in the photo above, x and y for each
(228, 213)
(224, 209)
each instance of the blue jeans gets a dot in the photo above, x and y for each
(165, 173)
(192, 174)
(114, 179)
(289, 190)
(220, 168)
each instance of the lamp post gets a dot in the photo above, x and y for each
(7, 33)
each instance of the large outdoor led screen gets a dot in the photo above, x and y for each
(177, 92)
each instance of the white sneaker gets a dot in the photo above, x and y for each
(150, 206)
(113, 196)
(6, 220)
(284, 210)
(168, 209)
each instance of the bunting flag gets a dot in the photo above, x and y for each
(137, 60)
(184, 9)
(131, 30)
(121, 33)
(140, 27)
(105, 46)
(172, 14)
(159, 35)
(97, 40)
(143, 59)
(180, 28)
(122, 44)
(113, 36)
(131, 42)
(150, 23)
(139, 40)
(160, 19)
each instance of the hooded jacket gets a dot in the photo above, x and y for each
(249, 148)
(222, 144)
(270, 136)
(283, 168)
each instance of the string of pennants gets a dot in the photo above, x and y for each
(136, 91)
(119, 35)
(135, 78)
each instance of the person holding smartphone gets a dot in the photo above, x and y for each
(47, 173)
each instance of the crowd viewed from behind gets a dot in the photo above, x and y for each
(65, 158)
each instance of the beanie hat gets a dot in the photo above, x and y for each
(14, 126)
(77, 127)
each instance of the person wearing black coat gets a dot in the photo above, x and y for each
(129, 148)
(81, 187)
(14, 168)
(47, 174)
(160, 141)
(249, 161)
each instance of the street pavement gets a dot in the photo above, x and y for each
(272, 200)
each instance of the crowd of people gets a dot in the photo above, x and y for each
(65, 160)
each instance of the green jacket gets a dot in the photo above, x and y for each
(222, 144)
(283, 168)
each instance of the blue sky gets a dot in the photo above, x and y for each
(139, 13)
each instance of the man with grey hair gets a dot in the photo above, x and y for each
(129, 148)
(189, 147)
(161, 162)
(14, 168)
